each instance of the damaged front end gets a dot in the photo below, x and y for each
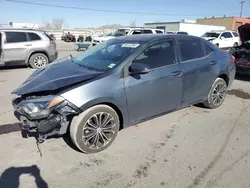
(44, 116)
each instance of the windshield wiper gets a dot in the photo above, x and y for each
(71, 57)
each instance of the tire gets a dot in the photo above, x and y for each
(38, 60)
(80, 128)
(218, 93)
(235, 44)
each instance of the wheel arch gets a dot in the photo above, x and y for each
(36, 52)
(224, 77)
(109, 103)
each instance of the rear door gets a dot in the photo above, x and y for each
(200, 68)
(15, 46)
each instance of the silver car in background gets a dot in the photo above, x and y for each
(26, 46)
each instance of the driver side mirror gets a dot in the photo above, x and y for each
(222, 37)
(138, 68)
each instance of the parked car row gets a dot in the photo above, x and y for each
(127, 31)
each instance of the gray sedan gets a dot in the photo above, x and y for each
(119, 83)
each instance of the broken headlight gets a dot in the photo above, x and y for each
(39, 107)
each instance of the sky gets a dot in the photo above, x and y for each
(176, 10)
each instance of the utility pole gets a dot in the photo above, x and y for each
(241, 7)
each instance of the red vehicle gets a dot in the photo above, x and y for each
(241, 54)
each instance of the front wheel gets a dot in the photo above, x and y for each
(217, 94)
(95, 129)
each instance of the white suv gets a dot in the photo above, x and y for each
(127, 31)
(223, 39)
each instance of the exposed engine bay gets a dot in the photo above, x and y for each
(52, 115)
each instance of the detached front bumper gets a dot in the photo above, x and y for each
(56, 124)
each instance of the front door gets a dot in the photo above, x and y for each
(227, 40)
(1, 50)
(15, 47)
(200, 68)
(159, 90)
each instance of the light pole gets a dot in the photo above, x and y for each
(241, 7)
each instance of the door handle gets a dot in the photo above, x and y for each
(28, 45)
(176, 73)
(213, 62)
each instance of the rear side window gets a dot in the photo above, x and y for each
(191, 49)
(12, 37)
(136, 32)
(147, 31)
(158, 31)
(235, 34)
(33, 36)
(227, 35)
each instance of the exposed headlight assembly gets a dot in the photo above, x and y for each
(39, 108)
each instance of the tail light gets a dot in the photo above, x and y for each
(233, 58)
(52, 42)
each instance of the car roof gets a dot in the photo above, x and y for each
(21, 29)
(152, 37)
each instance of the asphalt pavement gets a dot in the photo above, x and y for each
(189, 148)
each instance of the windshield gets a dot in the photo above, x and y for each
(216, 35)
(120, 32)
(106, 55)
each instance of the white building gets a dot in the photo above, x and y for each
(188, 26)
(24, 25)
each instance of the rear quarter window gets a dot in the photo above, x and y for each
(207, 49)
(33, 37)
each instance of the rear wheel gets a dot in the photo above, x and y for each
(235, 44)
(217, 94)
(95, 129)
(38, 60)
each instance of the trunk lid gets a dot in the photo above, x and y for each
(244, 32)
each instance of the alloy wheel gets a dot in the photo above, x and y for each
(219, 93)
(40, 61)
(99, 130)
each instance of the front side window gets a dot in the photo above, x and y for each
(211, 34)
(33, 36)
(136, 32)
(106, 55)
(191, 49)
(158, 55)
(147, 31)
(158, 31)
(235, 34)
(226, 35)
(12, 37)
(120, 32)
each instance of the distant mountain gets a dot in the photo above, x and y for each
(110, 26)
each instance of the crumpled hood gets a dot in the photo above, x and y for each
(55, 76)
(244, 32)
